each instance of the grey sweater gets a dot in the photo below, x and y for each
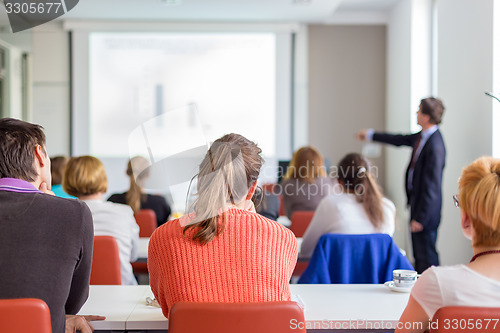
(302, 195)
(45, 251)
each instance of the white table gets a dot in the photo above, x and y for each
(350, 306)
(146, 317)
(143, 248)
(328, 308)
(114, 302)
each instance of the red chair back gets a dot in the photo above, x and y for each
(465, 319)
(146, 219)
(269, 187)
(263, 317)
(282, 206)
(300, 221)
(105, 262)
(24, 315)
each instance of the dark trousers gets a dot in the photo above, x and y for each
(424, 249)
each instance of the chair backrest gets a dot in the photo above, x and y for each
(262, 317)
(300, 221)
(282, 205)
(146, 219)
(465, 319)
(105, 262)
(351, 259)
(269, 187)
(24, 315)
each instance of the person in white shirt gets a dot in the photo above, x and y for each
(474, 284)
(358, 208)
(85, 178)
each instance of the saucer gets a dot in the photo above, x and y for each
(390, 285)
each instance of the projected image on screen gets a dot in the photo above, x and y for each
(136, 77)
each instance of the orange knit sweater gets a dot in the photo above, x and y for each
(252, 260)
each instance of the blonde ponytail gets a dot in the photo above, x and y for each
(138, 171)
(230, 167)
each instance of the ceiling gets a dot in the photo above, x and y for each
(367, 5)
(303, 11)
(223, 10)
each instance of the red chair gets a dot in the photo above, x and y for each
(105, 262)
(465, 319)
(269, 187)
(300, 267)
(24, 315)
(282, 206)
(262, 317)
(146, 219)
(300, 221)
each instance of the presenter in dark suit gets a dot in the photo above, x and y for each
(423, 178)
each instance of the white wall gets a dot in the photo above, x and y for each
(465, 70)
(300, 130)
(421, 55)
(21, 40)
(50, 47)
(346, 87)
(398, 111)
(496, 79)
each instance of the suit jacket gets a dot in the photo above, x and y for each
(425, 197)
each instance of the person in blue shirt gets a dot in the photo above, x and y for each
(57, 167)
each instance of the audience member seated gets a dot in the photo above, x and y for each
(359, 208)
(306, 181)
(135, 197)
(223, 251)
(57, 166)
(85, 178)
(477, 283)
(45, 241)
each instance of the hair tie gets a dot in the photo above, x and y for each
(361, 172)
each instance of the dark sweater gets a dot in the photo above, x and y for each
(45, 251)
(155, 202)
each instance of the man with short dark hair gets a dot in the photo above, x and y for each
(423, 178)
(45, 241)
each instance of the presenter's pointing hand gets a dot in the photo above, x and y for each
(361, 135)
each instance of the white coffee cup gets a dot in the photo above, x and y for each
(404, 278)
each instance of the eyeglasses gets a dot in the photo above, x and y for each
(455, 201)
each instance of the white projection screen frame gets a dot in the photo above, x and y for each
(82, 91)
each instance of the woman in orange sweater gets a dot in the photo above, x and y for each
(223, 251)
